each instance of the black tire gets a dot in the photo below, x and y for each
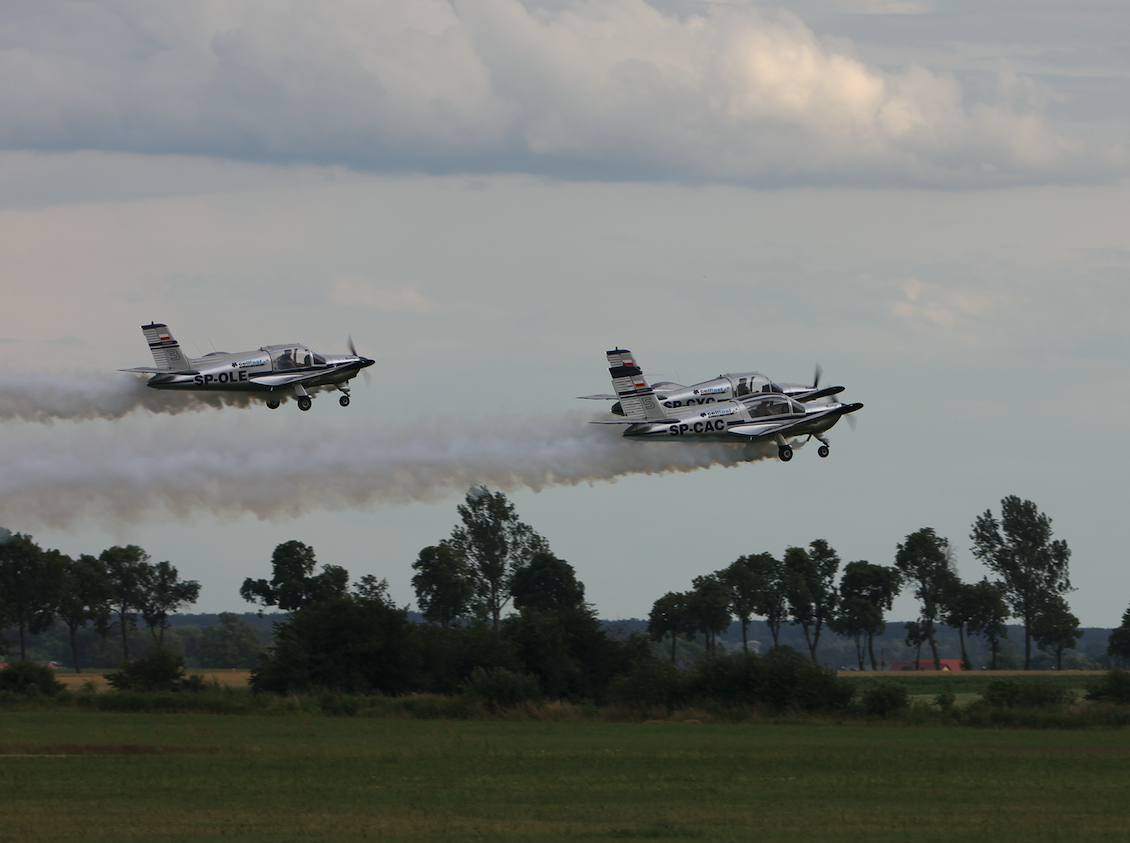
(822, 450)
(273, 405)
(343, 401)
(785, 453)
(304, 403)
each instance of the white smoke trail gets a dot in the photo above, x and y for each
(126, 473)
(49, 396)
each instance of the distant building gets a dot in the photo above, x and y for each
(927, 664)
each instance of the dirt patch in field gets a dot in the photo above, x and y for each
(61, 750)
(227, 678)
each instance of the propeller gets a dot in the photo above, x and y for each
(816, 377)
(353, 351)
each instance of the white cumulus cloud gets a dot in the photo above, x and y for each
(590, 89)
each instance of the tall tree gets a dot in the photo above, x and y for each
(1118, 645)
(495, 544)
(810, 589)
(670, 615)
(126, 570)
(1031, 566)
(444, 587)
(547, 584)
(1056, 629)
(926, 563)
(746, 580)
(986, 615)
(293, 583)
(162, 592)
(710, 607)
(83, 598)
(772, 601)
(866, 592)
(26, 586)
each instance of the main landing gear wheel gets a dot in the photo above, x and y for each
(304, 403)
(343, 401)
(785, 453)
(273, 405)
(822, 450)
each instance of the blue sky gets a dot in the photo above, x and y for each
(928, 199)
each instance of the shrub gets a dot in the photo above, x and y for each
(1031, 693)
(884, 697)
(160, 670)
(651, 683)
(24, 677)
(501, 687)
(1113, 687)
(945, 699)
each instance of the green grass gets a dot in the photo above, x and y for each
(69, 774)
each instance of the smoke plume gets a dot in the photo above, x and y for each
(40, 397)
(127, 472)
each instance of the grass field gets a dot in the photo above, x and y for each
(76, 775)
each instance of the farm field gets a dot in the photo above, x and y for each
(80, 775)
(75, 681)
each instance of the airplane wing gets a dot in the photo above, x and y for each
(288, 378)
(804, 398)
(150, 370)
(758, 430)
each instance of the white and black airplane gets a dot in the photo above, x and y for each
(754, 417)
(726, 388)
(273, 370)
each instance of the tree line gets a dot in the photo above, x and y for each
(109, 592)
(801, 588)
(492, 562)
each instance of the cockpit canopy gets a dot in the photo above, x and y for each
(287, 357)
(773, 404)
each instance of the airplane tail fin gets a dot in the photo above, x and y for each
(636, 398)
(166, 350)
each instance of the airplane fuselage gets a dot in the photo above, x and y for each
(758, 418)
(284, 368)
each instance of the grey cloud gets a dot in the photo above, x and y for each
(617, 90)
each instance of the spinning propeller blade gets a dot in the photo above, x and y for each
(353, 351)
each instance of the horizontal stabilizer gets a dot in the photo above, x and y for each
(598, 397)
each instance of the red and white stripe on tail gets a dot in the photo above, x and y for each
(637, 399)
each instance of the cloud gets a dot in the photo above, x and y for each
(956, 312)
(612, 90)
(354, 291)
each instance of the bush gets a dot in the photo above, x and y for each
(160, 670)
(651, 683)
(29, 678)
(1113, 687)
(884, 697)
(945, 699)
(1031, 693)
(501, 687)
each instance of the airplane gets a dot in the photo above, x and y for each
(751, 419)
(726, 388)
(273, 370)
